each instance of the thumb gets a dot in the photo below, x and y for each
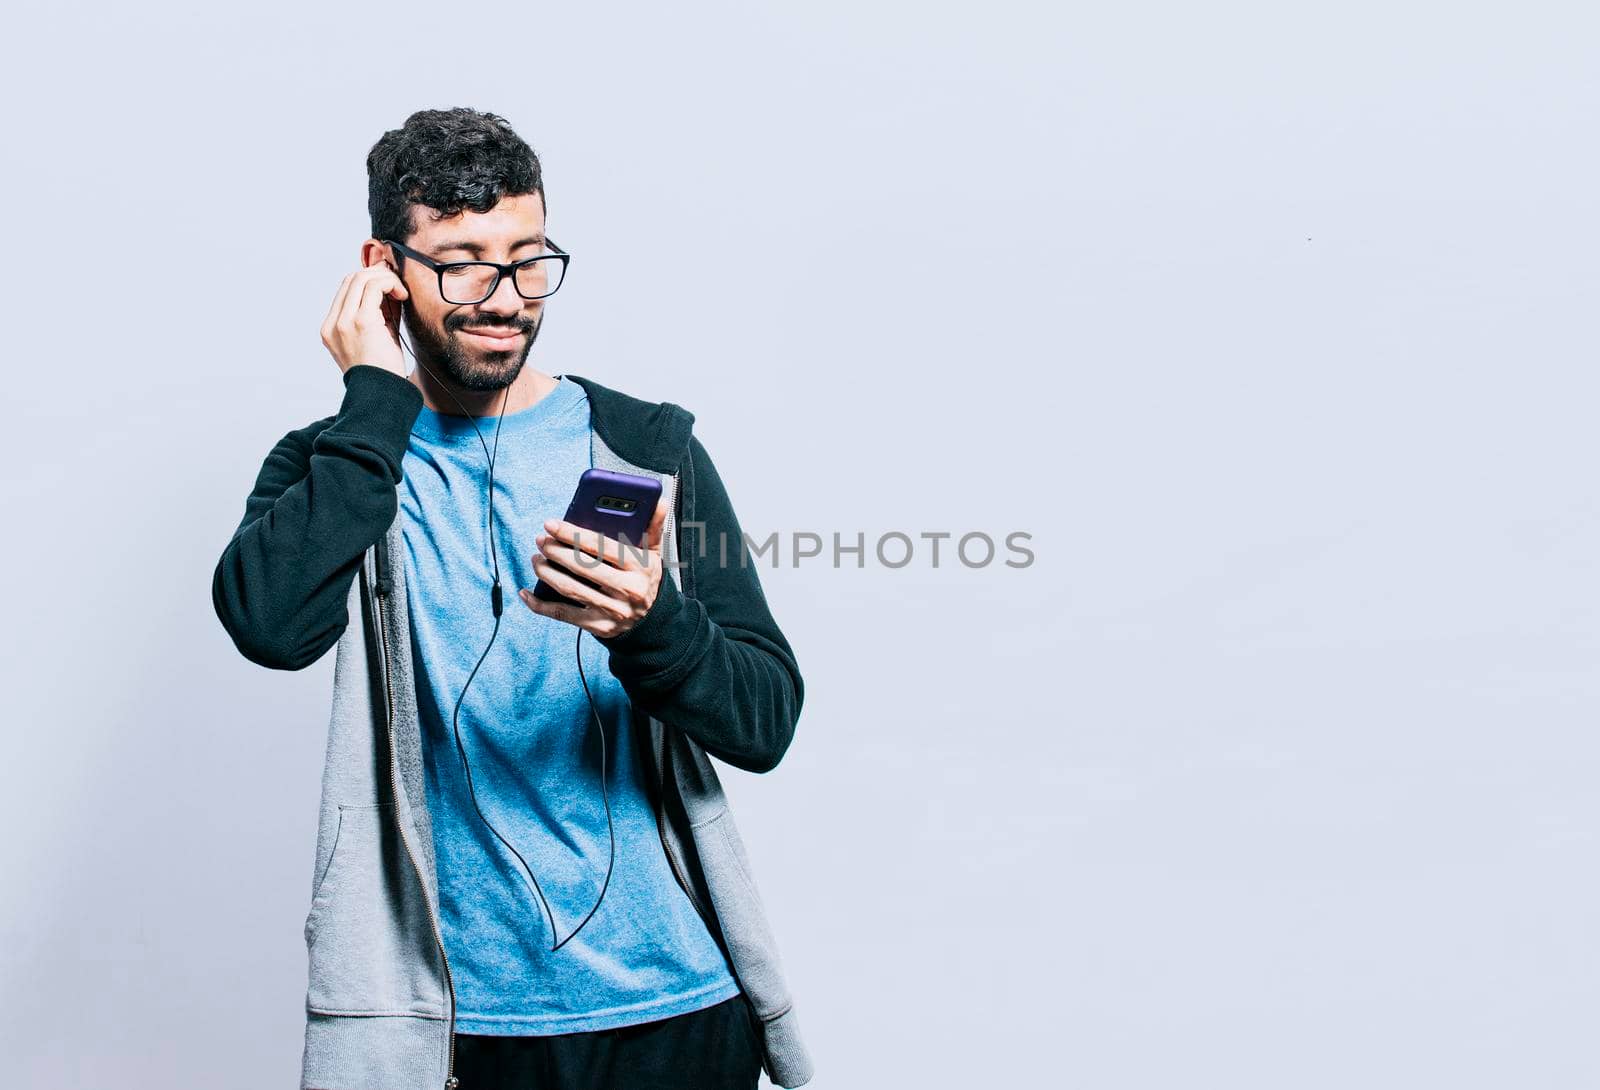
(652, 534)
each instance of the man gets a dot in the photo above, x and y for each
(527, 874)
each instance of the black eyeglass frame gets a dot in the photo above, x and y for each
(500, 271)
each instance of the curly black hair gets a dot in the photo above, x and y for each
(447, 161)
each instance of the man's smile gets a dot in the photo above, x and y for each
(493, 337)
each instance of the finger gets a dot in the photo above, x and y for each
(590, 541)
(395, 293)
(575, 588)
(631, 588)
(585, 566)
(584, 617)
(627, 555)
(652, 534)
(391, 312)
(346, 318)
(338, 305)
(373, 285)
(380, 300)
(595, 552)
(392, 284)
(560, 611)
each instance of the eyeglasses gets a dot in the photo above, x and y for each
(467, 282)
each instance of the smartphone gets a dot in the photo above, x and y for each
(619, 505)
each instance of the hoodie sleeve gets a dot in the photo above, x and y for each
(325, 494)
(716, 665)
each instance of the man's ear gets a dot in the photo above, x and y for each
(374, 252)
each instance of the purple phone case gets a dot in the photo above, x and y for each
(595, 506)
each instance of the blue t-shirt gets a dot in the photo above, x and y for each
(534, 752)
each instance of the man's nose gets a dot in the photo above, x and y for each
(504, 300)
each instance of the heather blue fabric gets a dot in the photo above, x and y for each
(534, 751)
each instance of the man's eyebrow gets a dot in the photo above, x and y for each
(477, 251)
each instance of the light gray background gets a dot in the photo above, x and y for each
(1271, 323)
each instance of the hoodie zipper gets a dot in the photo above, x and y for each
(450, 1080)
(677, 511)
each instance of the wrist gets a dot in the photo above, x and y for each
(379, 405)
(656, 639)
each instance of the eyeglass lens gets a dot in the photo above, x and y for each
(474, 283)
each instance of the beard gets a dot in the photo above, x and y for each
(469, 368)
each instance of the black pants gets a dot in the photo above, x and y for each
(717, 1048)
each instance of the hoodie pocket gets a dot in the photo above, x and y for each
(369, 939)
(742, 915)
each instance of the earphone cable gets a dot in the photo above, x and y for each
(497, 602)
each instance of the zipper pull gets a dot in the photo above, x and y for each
(381, 569)
(451, 1083)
